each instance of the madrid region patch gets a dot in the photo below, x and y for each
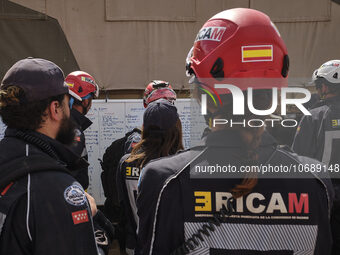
(75, 195)
(80, 217)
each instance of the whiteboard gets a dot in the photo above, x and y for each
(112, 119)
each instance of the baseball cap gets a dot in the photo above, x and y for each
(39, 78)
(160, 113)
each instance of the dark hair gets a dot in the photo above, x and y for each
(251, 136)
(332, 87)
(77, 102)
(156, 143)
(16, 112)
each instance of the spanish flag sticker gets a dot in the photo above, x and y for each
(257, 53)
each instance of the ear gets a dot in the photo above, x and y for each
(85, 102)
(55, 111)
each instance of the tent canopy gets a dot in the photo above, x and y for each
(126, 43)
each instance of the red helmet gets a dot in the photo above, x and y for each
(82, 85)
(156, 90)
(239, 43)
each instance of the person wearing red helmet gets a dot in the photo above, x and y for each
(211, 199)
(161, 136)
(82, 89)
(155, 90)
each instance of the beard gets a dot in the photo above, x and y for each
(66, 131)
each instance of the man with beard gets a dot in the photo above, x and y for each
(83, 89)
(43, 209)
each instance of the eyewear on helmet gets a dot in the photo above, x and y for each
(162, 92)
(160, 84)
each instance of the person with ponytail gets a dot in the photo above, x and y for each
(237, 192)
(161, 136)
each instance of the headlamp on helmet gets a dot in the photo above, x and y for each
(157, 89)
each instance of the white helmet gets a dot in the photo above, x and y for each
(329, 71)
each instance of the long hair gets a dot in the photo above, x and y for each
(251, 136)
(156, 143)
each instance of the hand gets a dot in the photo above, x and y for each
(92, 204)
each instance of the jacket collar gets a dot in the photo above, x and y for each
(71, 160)
(327, 101)
(80, 119)
(231, 138)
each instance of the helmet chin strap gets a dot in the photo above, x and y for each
(211, 115)
(324, 94)
(70, 103)
(85, 108)
(208, 119)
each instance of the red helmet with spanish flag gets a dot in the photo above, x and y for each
(239, 43)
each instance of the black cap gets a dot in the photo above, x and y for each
(39, 78)
(161, 114)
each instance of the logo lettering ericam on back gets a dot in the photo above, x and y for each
(75, 195)
(291, 203)
(132, 172)
(210, 34)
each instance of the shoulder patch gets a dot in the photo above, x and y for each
(80, 217)
(77, 135)
(75, 195)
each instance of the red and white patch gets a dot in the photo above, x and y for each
(80, 217)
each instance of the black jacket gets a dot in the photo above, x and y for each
(79, 146)
(318, 134)
(43, 209)
(279, 216)
(110, 164)
(127, 181)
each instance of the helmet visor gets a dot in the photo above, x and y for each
(96, 92)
